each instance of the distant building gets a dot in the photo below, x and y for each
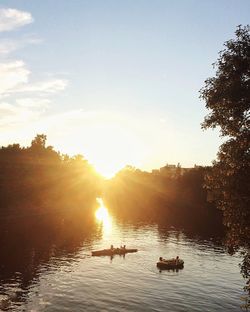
(155, 171)
(168, 170)
(197, 166)
(168, 167)
(171, 170)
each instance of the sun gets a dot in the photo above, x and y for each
(116, 150)
(108, 140)
(108, 169)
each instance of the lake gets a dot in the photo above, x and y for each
(52, 270)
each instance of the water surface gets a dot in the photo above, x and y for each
(52, 270)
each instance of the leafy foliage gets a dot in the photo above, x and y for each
(171, 195)
(227, 96)
(39, 179)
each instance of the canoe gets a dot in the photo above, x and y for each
(112, 252)
(170, 264)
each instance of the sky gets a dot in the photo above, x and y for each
(117, 81)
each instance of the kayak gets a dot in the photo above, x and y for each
(113, 251)
(170, 264)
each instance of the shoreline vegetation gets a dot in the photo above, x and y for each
(36, 180)
(173, 195)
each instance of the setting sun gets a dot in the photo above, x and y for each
(110, 140)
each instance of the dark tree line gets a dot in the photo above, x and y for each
(37, 179)
(175, 196)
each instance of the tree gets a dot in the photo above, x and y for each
(227, 97)
(39, 141)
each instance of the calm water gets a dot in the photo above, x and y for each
(43, 270)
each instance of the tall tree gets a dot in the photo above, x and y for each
(39, 141)
(227, 97)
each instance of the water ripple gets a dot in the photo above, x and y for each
(74, 281)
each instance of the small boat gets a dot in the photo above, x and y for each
(170, 264)
(113, 251)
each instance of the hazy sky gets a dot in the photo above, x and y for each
(117, 81)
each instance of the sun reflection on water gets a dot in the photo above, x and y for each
(103, 217)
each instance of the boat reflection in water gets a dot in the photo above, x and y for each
(103, 218)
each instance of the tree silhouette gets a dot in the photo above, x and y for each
(36, 179)
(227, 96)
(39, 141)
